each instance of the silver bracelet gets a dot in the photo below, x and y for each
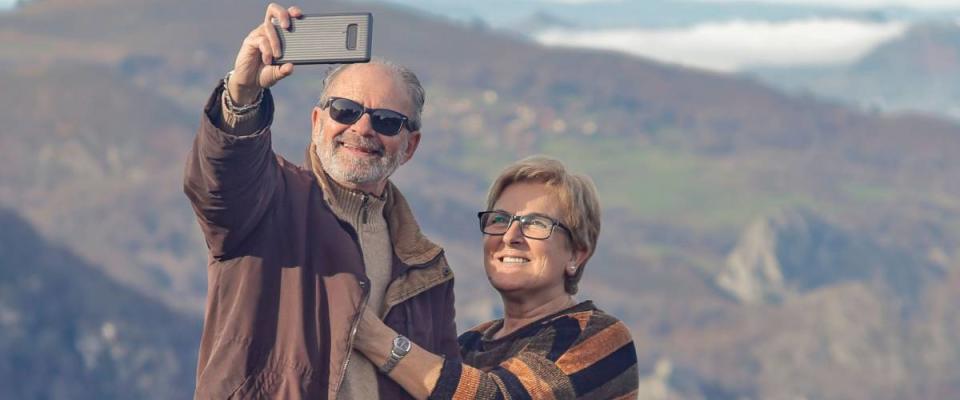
(239, 110)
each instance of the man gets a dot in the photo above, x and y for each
(297, 252)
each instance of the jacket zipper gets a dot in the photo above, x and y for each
(353, 332)
(363, 209)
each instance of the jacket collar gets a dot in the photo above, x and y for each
(410, 245)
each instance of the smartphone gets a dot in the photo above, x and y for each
(326, 39)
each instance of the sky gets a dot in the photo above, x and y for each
(718, 35)
(859, 4)
(855, 4)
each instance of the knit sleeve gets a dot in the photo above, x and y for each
(237, 124)
(597, 363)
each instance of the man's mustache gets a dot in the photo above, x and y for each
(360, 142)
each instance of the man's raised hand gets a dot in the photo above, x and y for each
(252, 70)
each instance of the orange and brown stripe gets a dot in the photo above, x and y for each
(600, 345)
(579, 352)
(537, 387)
(469, 383)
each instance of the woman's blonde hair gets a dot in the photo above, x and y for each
(579, 206)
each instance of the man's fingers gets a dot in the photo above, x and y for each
(266, 41)
(285, 70)
(295, 12)
(252, 39)
(270, 34)
(278, 72)
(266, 53)
(271, 74)
(274, 10)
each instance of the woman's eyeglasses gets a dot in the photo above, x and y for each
(385, 122)
(532, 226)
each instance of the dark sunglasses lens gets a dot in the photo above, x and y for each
(386, 122)
(345, 111)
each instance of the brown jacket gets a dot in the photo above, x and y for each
(285, 276)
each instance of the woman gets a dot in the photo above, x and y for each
(540, 228)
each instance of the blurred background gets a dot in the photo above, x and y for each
(780, 180)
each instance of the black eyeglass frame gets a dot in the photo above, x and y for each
(404, 120)
(522, 218)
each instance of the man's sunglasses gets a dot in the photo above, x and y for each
(385, 122)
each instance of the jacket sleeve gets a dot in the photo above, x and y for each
(603, 365)
(230, 179)
(447, 334)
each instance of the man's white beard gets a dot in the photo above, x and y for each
(345, 168)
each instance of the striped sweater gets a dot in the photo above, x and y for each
(578, 353)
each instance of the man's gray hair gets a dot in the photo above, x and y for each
(409, 79)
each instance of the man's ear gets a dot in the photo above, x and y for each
(413, 140)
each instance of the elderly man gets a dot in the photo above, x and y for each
(296, 253)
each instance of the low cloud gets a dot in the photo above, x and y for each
(733, 45)
(579, 1)
(859, 4)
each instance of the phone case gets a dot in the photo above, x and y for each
(326, 39)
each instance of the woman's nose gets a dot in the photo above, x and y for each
(514, 233)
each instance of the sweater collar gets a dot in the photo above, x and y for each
(490, 328)
(349, 204)
(409, 242)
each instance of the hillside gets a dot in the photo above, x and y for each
(101, 117)
(69, 332)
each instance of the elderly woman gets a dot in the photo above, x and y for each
(539, 230)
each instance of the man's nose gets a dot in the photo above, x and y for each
(364, 126)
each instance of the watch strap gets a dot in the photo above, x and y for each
(401, 346)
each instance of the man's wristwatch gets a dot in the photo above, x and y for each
(401, 346)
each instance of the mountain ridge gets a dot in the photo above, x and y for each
(684, 161)
(71, 332)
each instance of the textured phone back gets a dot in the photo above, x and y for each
(326, 39)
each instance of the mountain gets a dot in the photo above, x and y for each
(795, 251)
(91, 158)
(99, 117)
(918, 72)
(541, 21)
(69, 332)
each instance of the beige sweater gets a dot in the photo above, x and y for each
(364, 212)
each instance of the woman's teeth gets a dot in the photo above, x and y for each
(514, 260)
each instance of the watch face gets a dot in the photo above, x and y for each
(402, 343)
